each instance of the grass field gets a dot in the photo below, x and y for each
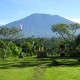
(39, 69)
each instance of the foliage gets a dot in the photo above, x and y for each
(13, 49)
(77, 42)
(10, 33)
(2, 49)
(10, 49)
(66, 31)
(26, 47)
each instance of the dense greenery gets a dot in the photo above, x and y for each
(67, 32)
(11, 43)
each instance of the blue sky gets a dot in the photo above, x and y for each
(12, 10)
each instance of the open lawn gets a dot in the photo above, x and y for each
(31, 68)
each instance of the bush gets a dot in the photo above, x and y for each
(13, 49)
(26, 47)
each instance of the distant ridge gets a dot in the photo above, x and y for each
(39, 25)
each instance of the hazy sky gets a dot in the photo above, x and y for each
(12, 10)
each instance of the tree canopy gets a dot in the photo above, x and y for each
(10, 33)
(66, 31)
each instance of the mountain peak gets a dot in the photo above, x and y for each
(39, 24)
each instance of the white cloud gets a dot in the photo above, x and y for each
(74, 19)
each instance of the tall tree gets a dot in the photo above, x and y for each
(8, 34)
(66, 31)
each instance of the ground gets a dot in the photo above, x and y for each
(32, 68)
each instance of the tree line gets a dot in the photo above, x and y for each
(12, 42)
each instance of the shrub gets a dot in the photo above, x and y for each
(13, 49)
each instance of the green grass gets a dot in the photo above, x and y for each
(16, 74)
(63, 73)
(39, 69)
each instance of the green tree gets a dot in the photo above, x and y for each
(66, 31)
(9, 34)
(13, 49)
(26, 47)
(2, 49)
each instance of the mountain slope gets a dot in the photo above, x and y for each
(39, 24)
